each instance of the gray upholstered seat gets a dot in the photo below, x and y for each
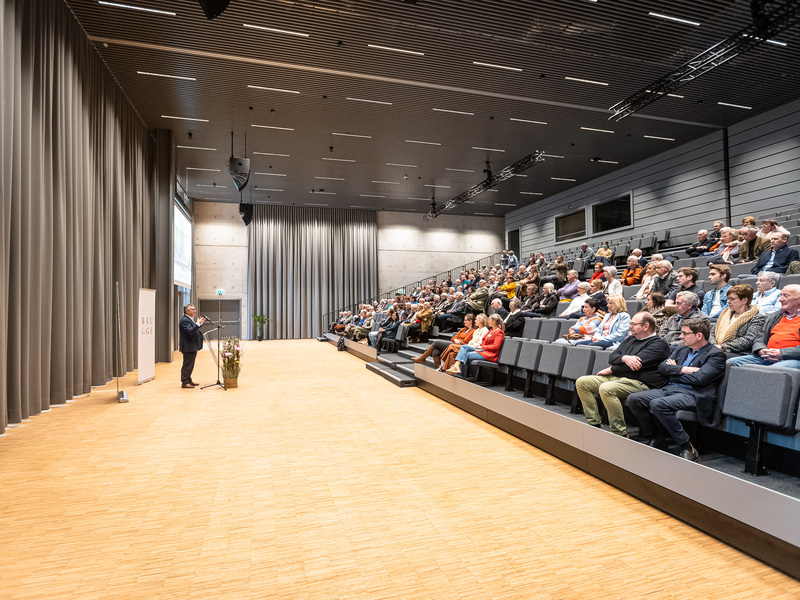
(550, 330)
(531, 329)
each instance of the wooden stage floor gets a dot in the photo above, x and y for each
(318, 479)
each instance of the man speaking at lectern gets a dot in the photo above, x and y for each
(190, 343)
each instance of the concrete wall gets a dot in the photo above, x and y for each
(410, 249)
(220, 244)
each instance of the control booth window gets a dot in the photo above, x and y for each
(571, 226)
(612, 214)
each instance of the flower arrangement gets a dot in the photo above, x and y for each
(231, 357)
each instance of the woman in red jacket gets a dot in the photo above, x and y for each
(489, 348)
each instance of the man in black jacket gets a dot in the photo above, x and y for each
(515, 320)
(778, 257)
(633, 368)
(191, 342)
(693, 370)
(454, 317)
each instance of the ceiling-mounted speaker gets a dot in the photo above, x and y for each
(213, 8)
(239, 168)
(246, 211)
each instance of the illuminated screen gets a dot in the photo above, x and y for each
(182, 249)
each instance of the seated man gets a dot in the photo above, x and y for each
(586, 254)
(753, 246)
(688, 305)
(687, 280)
(637, 252)
(575, 308)
(532, 298)
(515, 320)
(692, 371)
(632, 275)
(716, 300)
(714, 234)
(570, 290)
(477, 300)
(633, 368)
(665, 280)
(776, 259)
(767, 295)
(454, 317)
(497, 306)
(779, 345)
(701, 246)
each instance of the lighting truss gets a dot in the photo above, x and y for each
(488, 183)
(779, 19)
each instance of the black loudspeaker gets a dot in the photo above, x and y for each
(246, 210)
(239, 168)
(213, 8)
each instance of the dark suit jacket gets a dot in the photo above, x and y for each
(459, 308)
(191, 338)
(515, 325)
(651, 350)
(711, 361)
(502, 312)
(783, 256)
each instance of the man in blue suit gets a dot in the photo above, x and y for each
(693, 371)
(778, 258)
(191, 341)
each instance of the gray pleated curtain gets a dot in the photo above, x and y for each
(306, 262)
(77, 206)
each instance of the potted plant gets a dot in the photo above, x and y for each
(261, 321)
(231, 361)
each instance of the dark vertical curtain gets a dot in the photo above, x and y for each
(306, 262)
(77, 200)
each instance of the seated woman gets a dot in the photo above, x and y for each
(586, 326)
(604, 254)
(648, 276)
(533, 276)
(448, 356)
(547, 304)
(613, 287)
(727, 251)
(598, 272)
(739, 325)
(614, 327)
(656, 306)
(596, 292)
(420, 326)
(438, 346)
(387, 330)
(488, 349)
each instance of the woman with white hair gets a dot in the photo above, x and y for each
(546, 306)
(766, 298)
(613, 287)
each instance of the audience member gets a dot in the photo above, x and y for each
(560, 269)
(596, 292)
(476, 302)
(570, 290)
(633, 368)
(692, 372)
(779, 344)
(532, 298)
(586, 253)
(637, 252)
(647, 279)
(449, 354)
(575, 308)
(604, 254)
(454, 316)
(515, 320)
(752, 246)
(768, 294)
(598, 272)
(585, 328)
(614, 327)
(438, 346)
(767, 227)
(512, 260)
(488, 349)
(387, 330)
(715, 234)
(497, 307)
(655, 305)
(547, 304)
(701, 246)
(728, 249)
(419, 328)
(632, 275)
(687, 282)
(687, 305)
(716, 299)
(612, 286)
(665, 279)
(739, 325)
(778, 257)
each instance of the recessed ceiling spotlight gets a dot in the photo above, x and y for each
(735, 105)
(655, 137)
(395, 50)
(167, 76)
(528, 121)
(483, 64)
(369, 137)
(197, 148)
(272, 127)
(455, 112)
(150, 10)
(269, 89)
(598, 130)
(674, 19)
(489, 149)
(275, 30)
(370, 101)
(421, 142)
(561, 179)
(585, 81)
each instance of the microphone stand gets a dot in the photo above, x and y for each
(219, 328)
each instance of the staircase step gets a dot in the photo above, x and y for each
(407, 369)
(407, 355)
(397, 378)
(392, 360)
